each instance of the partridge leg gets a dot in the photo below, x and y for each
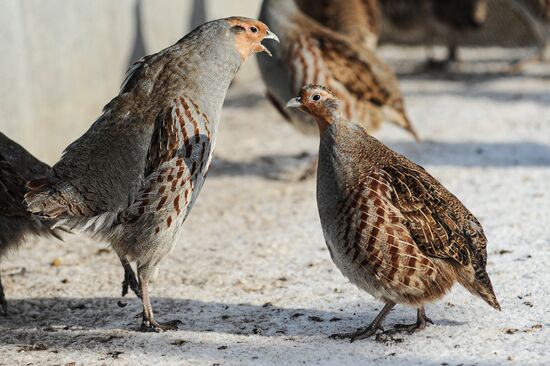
(3, 302)
(421, 322)
(149, 324)
(129, 278)
(310, 170)
(369, 330)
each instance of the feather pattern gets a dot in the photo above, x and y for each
(314, 54)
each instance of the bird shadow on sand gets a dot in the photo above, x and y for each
(475, 154)
(498, 96)
(243, 100)
(71, 322)
(272, 167)
(468, 74)
(430, 153)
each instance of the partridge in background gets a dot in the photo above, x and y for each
(312, 53)
(17, 166)
(358, 19)
(134, 176)
(390, 227)
(434, 20)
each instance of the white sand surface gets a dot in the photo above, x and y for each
(252, 280)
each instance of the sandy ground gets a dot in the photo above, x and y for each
(252, 280)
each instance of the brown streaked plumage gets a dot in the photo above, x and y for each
(134, 176)
(312, 53)
(391, 228)
(358, 19)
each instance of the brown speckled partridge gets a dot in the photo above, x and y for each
(358, 19)
(391, 228)
(310, 53)
(135, 175)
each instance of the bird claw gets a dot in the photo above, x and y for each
(408, 328)
(154, 326)
(131, 282)
(361, 333)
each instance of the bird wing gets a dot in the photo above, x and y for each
(380, 243)
(358, 19)
(177, 160)
(439, 224)
(399, 218)
(361, 72)
(12, 190)
(101, 172)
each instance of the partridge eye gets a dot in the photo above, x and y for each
(316, 97)
(254, 29)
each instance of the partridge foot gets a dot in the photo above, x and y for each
(421, 323)
(153, 326)
(149, 324)
(130, 280)
(368, 331)
(361, 333)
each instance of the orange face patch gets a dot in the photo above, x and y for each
(321, 104)
(250, 34)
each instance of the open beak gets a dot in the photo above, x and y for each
(273, 36)
(294, 103)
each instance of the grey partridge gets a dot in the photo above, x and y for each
(358, 19)
(135, 175)
(312, 53)
(390, 227)
(17, 166)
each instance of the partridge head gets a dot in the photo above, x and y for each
(319, 102)
(249, 34)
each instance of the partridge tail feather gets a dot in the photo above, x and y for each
(47, 200)
(400, 118)
(481, 286)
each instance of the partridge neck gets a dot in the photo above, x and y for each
(280, 16)
(215, 67)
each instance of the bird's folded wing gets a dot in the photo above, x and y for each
(378, 242)
(179, 152)
(359, 70)
(101, 172)
(437, 221)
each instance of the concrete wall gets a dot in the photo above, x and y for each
(62, 60)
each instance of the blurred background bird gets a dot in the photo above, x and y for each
(467, 23)
(17, 167)
(312, 53)
(434, 21)
(358, 19)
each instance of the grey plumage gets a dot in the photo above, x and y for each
(134, 176)
(17, 166)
